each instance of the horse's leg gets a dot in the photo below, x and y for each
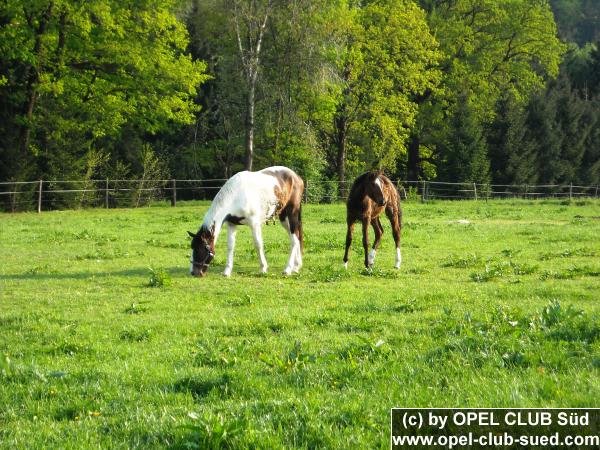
(376, 224)
(296, 236)
(365, 229)
(294, 248)
(231, 230)
(258, 244)
(348, 241)
(395, 220)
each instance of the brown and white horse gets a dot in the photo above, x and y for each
(251, 198)
(370, 195)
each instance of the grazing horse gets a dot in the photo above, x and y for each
(370, 195)
(251, 198)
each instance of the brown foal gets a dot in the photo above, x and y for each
(370, 195)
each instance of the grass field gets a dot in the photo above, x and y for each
(107, 342)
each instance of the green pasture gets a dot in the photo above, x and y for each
(107, 342)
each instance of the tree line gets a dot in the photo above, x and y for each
(454, 90)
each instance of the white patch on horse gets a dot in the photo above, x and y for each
(292, 265)
(379, 185)
(398, 259)
(230, 247)
(295, 260)
(371, 259)
(258, 245)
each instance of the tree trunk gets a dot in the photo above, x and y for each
(32, 78)
(250, 125)
(414, 169)
(340, 123)
(25, 132)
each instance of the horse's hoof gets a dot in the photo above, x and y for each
(346, 265)
(226, 274)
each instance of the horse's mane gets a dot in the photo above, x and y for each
(357, 184)
(221, 199)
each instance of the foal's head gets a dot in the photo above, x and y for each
(374, 187)
(203, 251)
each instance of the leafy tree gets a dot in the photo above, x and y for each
(250, 20)
(490, 48)
(280, 133)
(76, 74)
(381, 55)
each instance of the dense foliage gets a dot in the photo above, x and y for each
(467, 90)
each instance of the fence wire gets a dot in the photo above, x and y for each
(68, 194)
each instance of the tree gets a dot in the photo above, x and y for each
(465, 149)
(489, 48)
(381, 54)
(77, 73)
(547, 136)
(512, 153)
(578, 20)
(250, 19)
(283, 95)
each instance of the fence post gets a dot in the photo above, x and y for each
(173, 192)
(106, 195)
(40, 197)
(571, 191)
(475, 190)
(423, 193)
(306, 192)
(596, 195)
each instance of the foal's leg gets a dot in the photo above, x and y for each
(258, 244)
(365, 229)
(376, 224)
(348, 242)
(394, 217)
(231, 230)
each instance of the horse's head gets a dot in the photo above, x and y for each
(374, 187)
(203, 251)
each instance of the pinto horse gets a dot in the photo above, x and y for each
(251, 198)
(370, 195)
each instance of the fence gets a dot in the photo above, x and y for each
(56, 194)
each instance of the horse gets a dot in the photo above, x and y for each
(370, 195)
(251, 198)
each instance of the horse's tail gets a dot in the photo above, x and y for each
(398, 207)
(300, 232)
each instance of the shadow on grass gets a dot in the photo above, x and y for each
(200, 387)
(174, 272)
